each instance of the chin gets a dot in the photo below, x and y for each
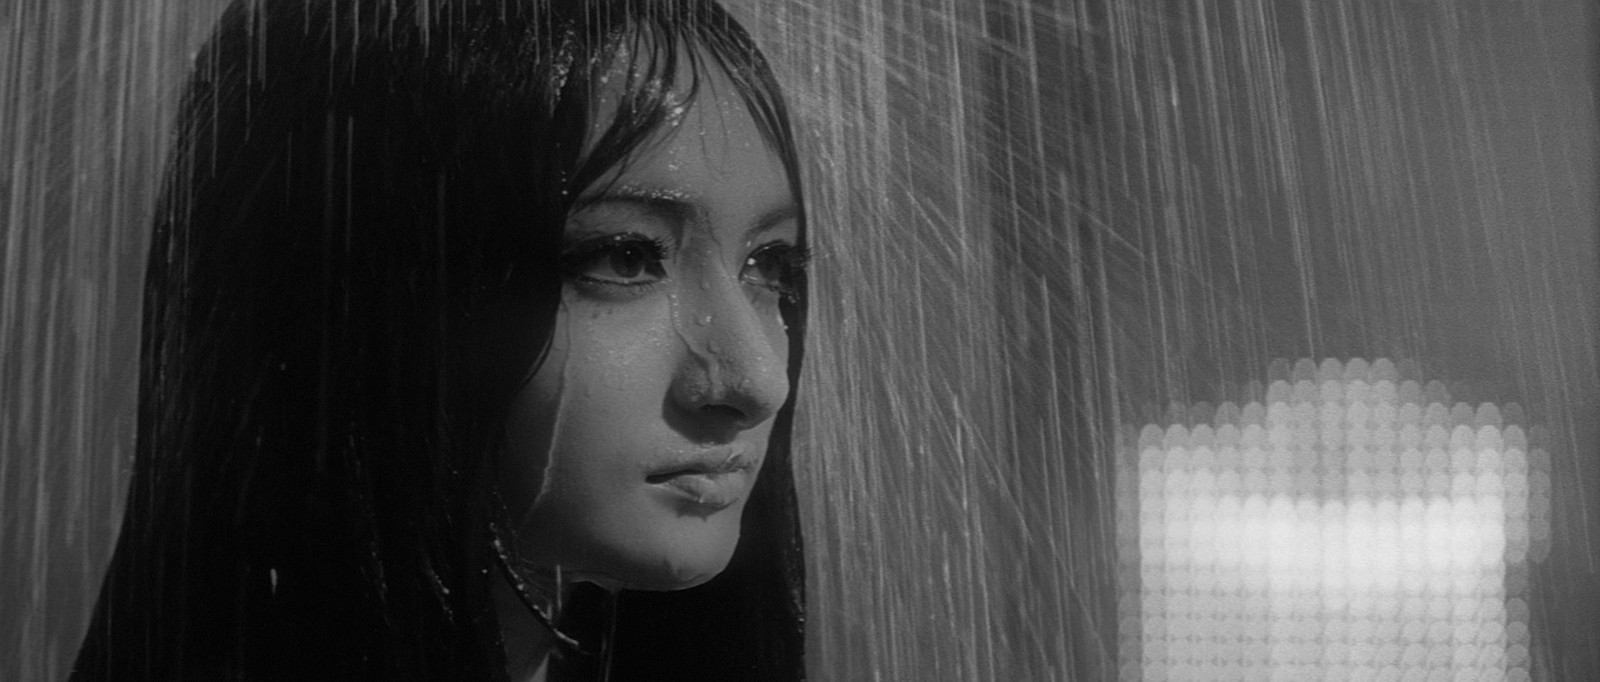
(683, 560)
(655, 554)
(676, 571)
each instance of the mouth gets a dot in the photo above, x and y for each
(709, 481)
(710, 463)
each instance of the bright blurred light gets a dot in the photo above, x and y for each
(1353, 525)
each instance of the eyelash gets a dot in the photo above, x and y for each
(578, 260)
(794, 260)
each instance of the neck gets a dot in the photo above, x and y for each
(527, 639)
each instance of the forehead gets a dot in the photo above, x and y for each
(708, 143)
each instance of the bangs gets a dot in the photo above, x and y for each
(639, 59)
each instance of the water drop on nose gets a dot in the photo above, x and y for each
(705, 321)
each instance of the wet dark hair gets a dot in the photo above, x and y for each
(353, 271)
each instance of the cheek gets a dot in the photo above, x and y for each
(778, 335)
(601, 387)
(775, 332)
(617, 370)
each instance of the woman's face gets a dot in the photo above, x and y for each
(636, 443)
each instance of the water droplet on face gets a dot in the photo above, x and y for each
(704, 321)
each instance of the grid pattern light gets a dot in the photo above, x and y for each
(1350, 524)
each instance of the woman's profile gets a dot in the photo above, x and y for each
(471, 337)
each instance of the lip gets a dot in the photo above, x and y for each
(712, 479)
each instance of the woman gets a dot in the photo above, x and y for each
(471, 338)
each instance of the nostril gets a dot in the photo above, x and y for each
(715, 423)
(722, 412)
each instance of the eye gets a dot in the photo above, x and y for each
(618, 260)
(779, 267)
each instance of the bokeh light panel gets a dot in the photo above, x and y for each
(1350, 524)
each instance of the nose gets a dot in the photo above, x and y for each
(734, 371)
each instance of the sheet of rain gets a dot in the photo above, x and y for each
(1149, 341)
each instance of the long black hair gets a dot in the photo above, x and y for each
(354, 269)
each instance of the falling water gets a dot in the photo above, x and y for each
(1037, 223)
(1046, 220)
(86, 93)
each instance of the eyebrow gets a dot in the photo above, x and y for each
(680, 207)
(774, 218)
(676, 207)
